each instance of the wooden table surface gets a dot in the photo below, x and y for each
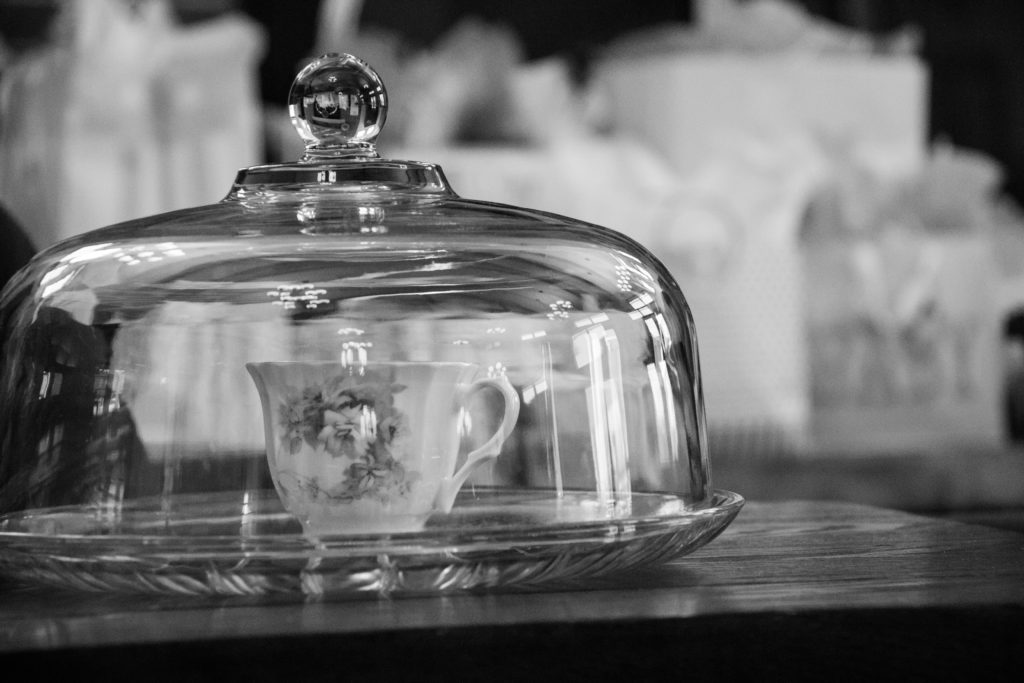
(798, 589)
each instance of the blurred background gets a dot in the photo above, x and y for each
(834, 183)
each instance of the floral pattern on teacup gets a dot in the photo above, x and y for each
(352, 418)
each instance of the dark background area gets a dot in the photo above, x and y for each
(974, 48)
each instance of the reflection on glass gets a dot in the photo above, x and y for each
(597, 354)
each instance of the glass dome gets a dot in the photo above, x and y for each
(344, 377)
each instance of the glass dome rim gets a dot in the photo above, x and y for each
(361, 174)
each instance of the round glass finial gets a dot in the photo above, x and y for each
(338, 104)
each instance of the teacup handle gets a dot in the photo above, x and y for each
(492, 447)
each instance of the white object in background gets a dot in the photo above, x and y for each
(727, 234)
(127, 115)
(751, 131)
(689, 105)
(904, 337)
(181, 410)
(206, 100)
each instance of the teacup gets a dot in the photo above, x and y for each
(373, 448)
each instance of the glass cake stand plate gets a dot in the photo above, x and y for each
(235, 545)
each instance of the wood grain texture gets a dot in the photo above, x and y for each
(797, 584)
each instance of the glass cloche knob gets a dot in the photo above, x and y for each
(338, 104)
